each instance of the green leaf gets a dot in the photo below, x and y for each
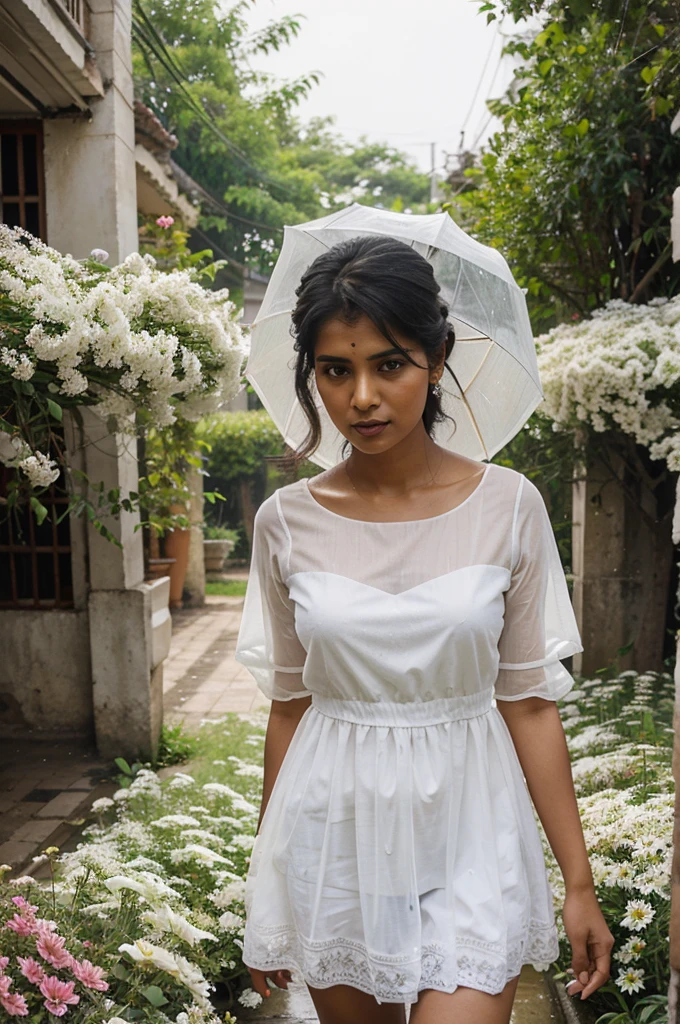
(545, 66)
(154, 479)
(6, 427)
(55, 410)
(39, 509)
(120, 972)
(648, 74)
(583, 126)
(121, 763)
(154, 995)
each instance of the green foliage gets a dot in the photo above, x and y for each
(239, 441)
(227, 588)
(165, 492)
(575, 189)
(219, 533)
(176, 746)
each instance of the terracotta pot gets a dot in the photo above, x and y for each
(158, 567)
(215, 553)
(176, 545)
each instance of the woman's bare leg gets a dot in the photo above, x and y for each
(464, 1005)
(343, 1004)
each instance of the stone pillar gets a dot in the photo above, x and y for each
(130, 623)
(90, 175)
(622, 563)
(194, 582)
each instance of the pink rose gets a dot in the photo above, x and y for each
(165, 222)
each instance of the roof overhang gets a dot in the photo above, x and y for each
(47, 66)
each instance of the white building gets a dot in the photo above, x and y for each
(83, 636)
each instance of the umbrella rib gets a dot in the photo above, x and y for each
(486, 356)
(474, 424)
(311, 235)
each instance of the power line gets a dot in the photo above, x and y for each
(478, 87)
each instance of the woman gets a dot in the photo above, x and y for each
(391, 599)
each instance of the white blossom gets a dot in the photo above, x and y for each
(250, 998)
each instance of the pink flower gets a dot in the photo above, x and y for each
(23, 904)
(165, 222)
(59, 995)
(14, 1005)
(5, 983)
(51, 948)
(86, 943)
(89, 975)
(31, 969)
(22, 925)
(4, 960)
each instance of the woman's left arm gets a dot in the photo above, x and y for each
(537, 733)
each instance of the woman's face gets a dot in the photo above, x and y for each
(363, 379)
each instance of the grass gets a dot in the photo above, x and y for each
(227, 588)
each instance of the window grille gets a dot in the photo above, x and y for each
(35, 561)
(22, 189)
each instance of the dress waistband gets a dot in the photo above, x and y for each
(407, 714)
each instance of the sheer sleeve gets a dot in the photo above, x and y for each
(539, 626)
(268, 645)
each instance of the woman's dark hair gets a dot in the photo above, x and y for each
(390, 283)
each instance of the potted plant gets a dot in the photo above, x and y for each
(218, 543)
(168, 454)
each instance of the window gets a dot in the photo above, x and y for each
(22, 190)
(35, 561)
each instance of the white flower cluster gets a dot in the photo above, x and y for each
(179, 866)
(624, 786)
(617, 370)
(133, 335)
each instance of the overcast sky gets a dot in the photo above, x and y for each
(409, 72)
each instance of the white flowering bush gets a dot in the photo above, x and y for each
(131, 339)
(619, 733)
(145, 919)
(618, 370)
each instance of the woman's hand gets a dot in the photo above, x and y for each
(591, 942)
(259, 978)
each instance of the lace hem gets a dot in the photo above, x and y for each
(398, 979)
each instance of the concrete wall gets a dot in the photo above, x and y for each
(45, 672)
(90, 175)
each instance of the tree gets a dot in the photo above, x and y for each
(238, 137)
(576, 187)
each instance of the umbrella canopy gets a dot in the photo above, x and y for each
(494, 357)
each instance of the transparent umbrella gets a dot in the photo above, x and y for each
(493, 359)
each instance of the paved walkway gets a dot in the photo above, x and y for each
(201, 679)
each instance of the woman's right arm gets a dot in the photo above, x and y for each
(284, 717)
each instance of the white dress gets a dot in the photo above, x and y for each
(399, 849)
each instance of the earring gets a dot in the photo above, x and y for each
(437, 390)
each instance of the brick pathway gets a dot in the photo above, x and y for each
(201, 679)
(44, 787)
